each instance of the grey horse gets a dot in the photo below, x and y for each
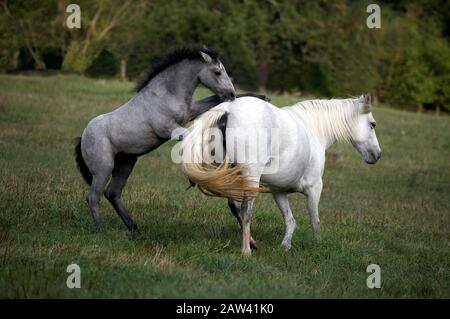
(111, 143)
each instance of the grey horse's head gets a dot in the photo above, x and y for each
(364, 138)
(214, 76)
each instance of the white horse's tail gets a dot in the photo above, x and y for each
(221, 180)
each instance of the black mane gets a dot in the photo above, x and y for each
(173, 58)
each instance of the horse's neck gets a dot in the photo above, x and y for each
(177, 84)
(329, 123)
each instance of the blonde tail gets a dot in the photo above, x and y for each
(220, 180)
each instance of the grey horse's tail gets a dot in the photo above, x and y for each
(84, 170)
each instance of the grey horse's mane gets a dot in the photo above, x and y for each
(173, 58)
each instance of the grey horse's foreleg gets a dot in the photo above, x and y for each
(123, 167)
(289, 221)
(236, 211)
(201, 106)
(258, 96)
(313, 194)
(98, 185)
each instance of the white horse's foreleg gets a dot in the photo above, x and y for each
(289, 221)
(313, 194)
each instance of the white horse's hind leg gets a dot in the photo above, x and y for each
(313, 194)
(289, 221)
(236, 211)
(254, 173)
(246, 215)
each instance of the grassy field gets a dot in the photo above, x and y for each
(394, 214)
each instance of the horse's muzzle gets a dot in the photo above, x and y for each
(228, 96)
(231, 96)
(372, 157)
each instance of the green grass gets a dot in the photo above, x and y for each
(394, 214)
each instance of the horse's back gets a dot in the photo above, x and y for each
(289, 149)
(251, 112)
(127, 129)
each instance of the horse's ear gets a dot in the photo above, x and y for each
(206, 57)
(366, 106)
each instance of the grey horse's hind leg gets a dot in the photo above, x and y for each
(123, 166)
(236, 211)
(99, 182)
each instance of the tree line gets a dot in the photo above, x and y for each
(317, 47)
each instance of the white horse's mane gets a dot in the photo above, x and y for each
(330, 120)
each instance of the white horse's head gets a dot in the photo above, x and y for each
(364, 138)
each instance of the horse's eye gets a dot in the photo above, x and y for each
(373, 124)
(217, 73)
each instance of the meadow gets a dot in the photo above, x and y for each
(394, 214)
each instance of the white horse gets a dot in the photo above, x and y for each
(304, 132)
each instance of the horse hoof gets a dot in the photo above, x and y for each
(98, 227)
(286, 245)
(134, 229)
(253, 245)
(134, 236)
(247, 253)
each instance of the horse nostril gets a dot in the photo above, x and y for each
(232, 95)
